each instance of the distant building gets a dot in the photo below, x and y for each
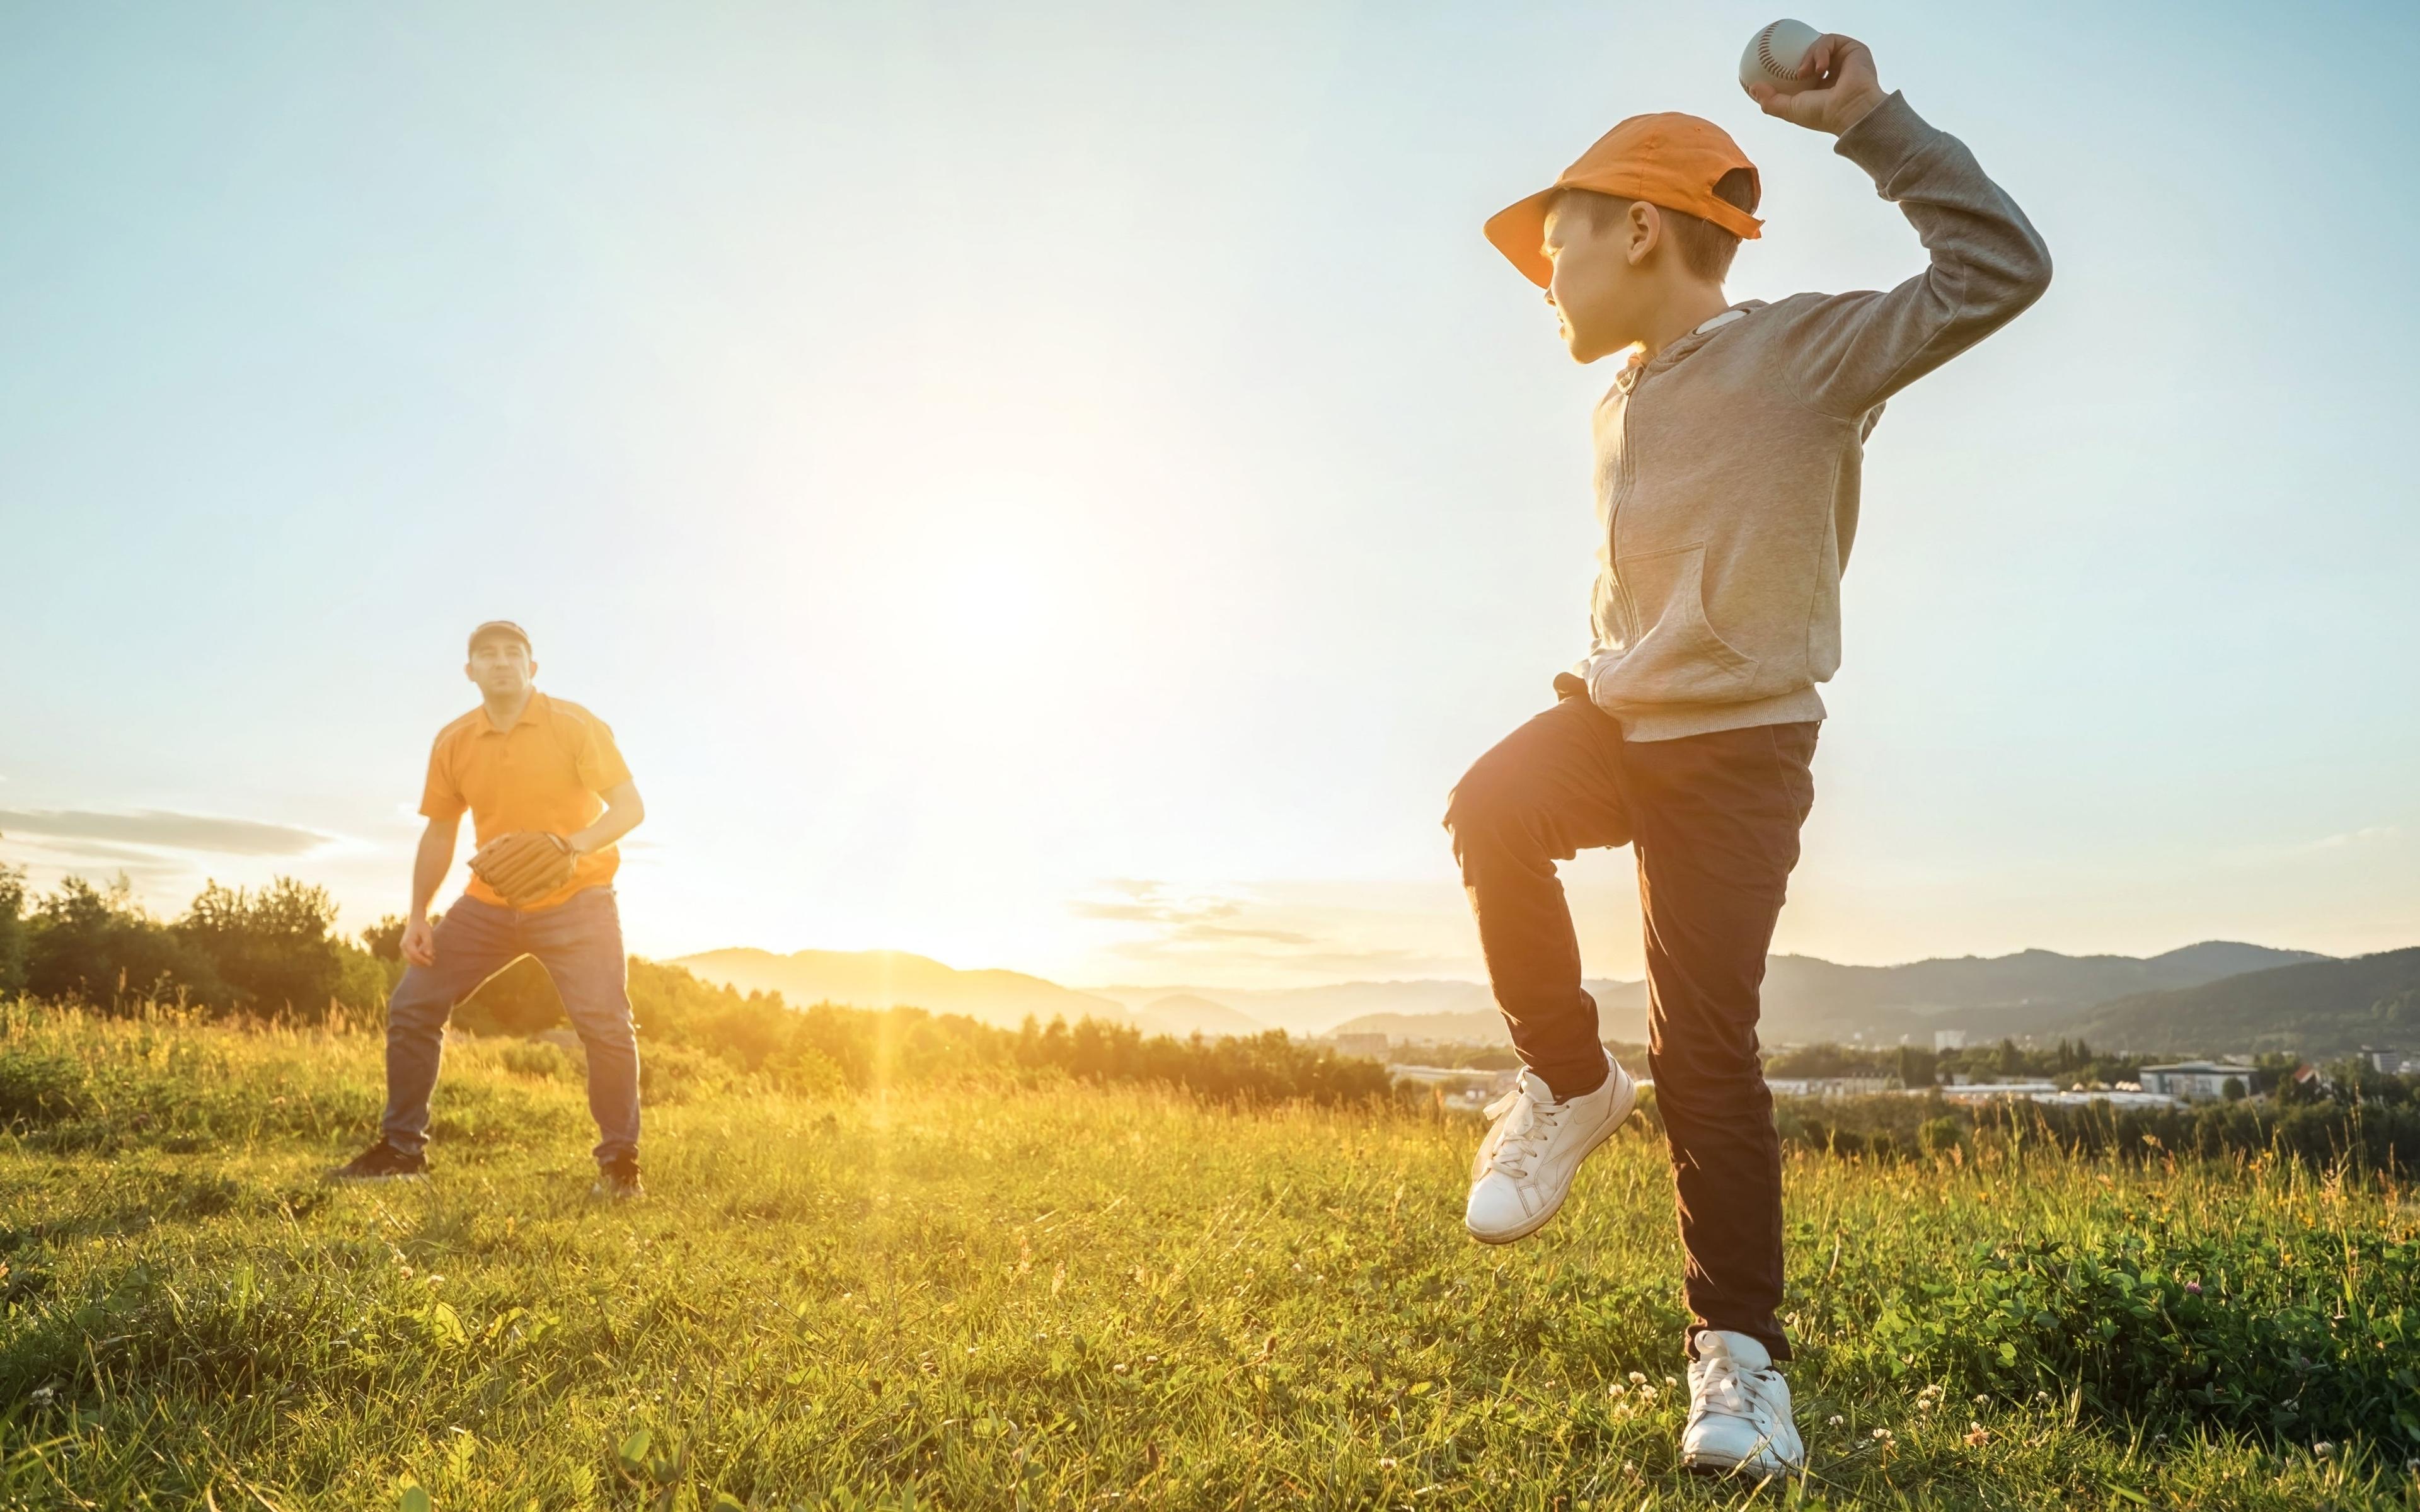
(1986, 1091)
(1948, 1040)
(2393, 1062)
(2115, 1097)
(2199, 1081)
(1827, 1086)
(1367, 1046)
(1463, 1088)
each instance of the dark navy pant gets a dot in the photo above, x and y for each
(579, 942)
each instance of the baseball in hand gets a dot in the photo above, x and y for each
(1773, 55)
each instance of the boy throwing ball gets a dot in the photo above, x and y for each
(1726, 469)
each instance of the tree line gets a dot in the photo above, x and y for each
(274, 954)
(270, 952)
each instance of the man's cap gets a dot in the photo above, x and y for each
(502, 627)
(1670, 160)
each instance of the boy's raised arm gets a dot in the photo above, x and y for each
(1988, 261)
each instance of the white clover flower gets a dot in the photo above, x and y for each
(1981, 1400)
(1639, 1378)
(2324, 1448)
(1834, 1421)
(1883, 1435)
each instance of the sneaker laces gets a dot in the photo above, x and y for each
(1532, 1123)
(1719, 1385)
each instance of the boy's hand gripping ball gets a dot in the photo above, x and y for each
(1774, 55)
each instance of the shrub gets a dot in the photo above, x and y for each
(1940, 1137)
(541, 1058)
(103, 947)
(12, 930)
(2162, 1328)
(2380, 1132)
(271, 951)
(364, 982)
(520, 999)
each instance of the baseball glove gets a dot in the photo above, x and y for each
(524, 866)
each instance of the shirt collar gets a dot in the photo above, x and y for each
(1637, 364)
(529, 716)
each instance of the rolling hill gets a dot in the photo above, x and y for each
(1318, 1010)
(2317, 1007)
(1808, 1000)
(1184, 1014)
(2217, 995)
(885, 979)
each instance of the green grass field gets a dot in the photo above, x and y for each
(995, 1297)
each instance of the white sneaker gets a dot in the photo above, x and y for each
(1739, 1410)
(1525, 1163)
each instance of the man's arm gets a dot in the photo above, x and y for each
(428, 867)
(1988, 262)
(622, 812)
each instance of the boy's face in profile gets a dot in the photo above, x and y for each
(1598, 290)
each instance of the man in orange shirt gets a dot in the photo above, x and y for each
(521, 762)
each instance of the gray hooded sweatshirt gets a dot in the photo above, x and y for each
(1726, 466)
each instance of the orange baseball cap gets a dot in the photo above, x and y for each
(1670, 160)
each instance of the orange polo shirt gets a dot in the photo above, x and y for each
(545, 773)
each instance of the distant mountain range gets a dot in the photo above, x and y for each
(885, 979)
(1318, 1010)
(1804, 998)
(2319, 1007)
(2028, 993)
(2212, 997)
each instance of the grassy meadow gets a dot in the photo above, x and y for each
(993, 1294)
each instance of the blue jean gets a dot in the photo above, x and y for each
(579, 942)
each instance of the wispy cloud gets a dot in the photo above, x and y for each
(2373, 835)
(1355, 964)
(160, 829)
(1180, 920)
(2367, 838)
(1273, 935)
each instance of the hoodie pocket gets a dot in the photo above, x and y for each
(1675, 656)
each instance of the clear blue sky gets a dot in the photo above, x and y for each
(1066, 485)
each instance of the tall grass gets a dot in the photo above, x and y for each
(985, 1294)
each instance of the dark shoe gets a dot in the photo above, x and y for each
(382, 1162)
(619, 1179)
